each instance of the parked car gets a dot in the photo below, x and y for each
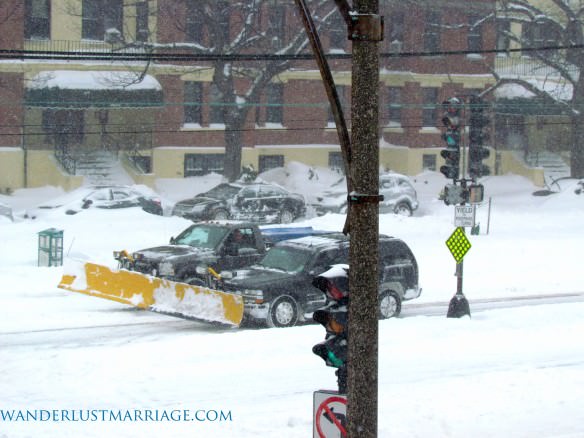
(258, 202)
(399, 196)
(107, 197)
(278, 290)
(6, 211)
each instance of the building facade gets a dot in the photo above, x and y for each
(173, 118)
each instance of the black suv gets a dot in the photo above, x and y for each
(257, 202)
(278, 291)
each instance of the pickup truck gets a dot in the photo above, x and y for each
(203, 250)
(278, 292)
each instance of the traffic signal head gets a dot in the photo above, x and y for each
(477, 137)
(454, 194)
(334, 282)
(451, 155)
(451, 117)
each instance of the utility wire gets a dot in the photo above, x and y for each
(183, 57)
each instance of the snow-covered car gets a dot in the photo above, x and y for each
(257, 202)
(106, 197)
(399, 196)
(6, 211)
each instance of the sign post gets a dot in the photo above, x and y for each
(458, 244)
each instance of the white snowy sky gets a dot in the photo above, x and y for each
(505, 372)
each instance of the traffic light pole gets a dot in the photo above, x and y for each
(362, 396)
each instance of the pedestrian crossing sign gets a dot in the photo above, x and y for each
(458, 244)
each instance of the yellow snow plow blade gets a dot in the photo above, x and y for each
(153, 293)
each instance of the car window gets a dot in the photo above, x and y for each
(404, 183)
(120, 194)
(222, 191)
(99, 195)
(327, 258)
(387, 183)
(270, 191)
(248, 192)
(201, 236)
(286, 259)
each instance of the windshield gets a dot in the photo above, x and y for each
(223, 191)
(286, 259)
(201, 236)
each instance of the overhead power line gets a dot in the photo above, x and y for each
(141, 55)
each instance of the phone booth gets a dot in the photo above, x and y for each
(50, 252)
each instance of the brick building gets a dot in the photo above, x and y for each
(172, 119)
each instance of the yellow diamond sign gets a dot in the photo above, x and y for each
(458, 244)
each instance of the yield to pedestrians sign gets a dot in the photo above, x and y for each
(330, 415)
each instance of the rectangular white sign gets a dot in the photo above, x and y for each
(464, 216)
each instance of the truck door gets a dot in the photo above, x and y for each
(240, 249)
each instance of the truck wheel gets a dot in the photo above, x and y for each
(389, 305)
(286, 216)
(403, 209)
(220, 214)
(283, 312)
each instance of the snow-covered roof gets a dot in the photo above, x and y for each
(92, 80)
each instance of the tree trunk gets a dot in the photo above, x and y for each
(577, 147)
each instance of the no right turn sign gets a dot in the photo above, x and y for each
(330, 415)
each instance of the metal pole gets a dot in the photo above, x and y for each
(362, 396)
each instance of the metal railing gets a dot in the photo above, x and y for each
(524, 66)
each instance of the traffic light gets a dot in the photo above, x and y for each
(477, 137)
(451, 155)
(334, 283)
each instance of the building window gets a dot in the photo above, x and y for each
(429, 110)
(275, 98)
(277, 25)
(337, 33)
(143, 163)
(37, 23)
(345, 106)
(217, 109)
(101, 17)
(203, 164)
(537, 34)
(194, 22)
(429, 162)
(193, 95)
(267, 162)
(142, 30)
(475, 34)
(503, 30)
(394, 106)
(395, 34)
(335, 161)
(432, 32)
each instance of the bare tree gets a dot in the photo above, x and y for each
(220, 27)
(545, 27)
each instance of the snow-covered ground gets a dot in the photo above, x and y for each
(514, 372)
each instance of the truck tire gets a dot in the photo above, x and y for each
(389, 305)
(283, 312)
(220, 214)
(403, 209)
(286, 216)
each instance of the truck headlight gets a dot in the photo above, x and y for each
(255, 296)
(165, 269)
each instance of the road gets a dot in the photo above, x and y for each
(149, 325)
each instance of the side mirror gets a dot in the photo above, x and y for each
(87, 203)
(232, 250)
(172, 240)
